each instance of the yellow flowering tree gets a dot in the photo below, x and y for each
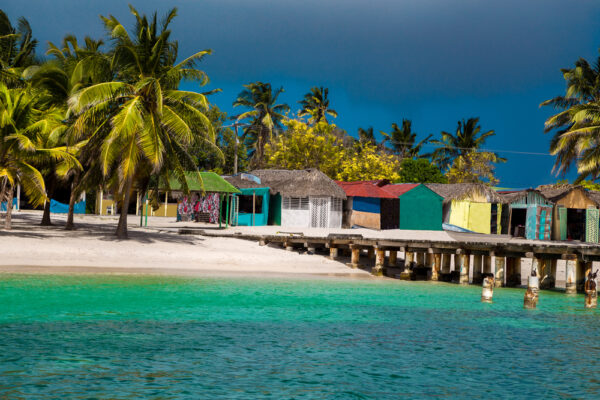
(366, 162)
(322, 146)
(474, 167)
(304, 146)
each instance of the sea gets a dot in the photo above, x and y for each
(159, 337)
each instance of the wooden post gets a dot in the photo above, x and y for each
(167, 202)
(379, 261)
(581, 271)
(333, 253)
(101, 196)
(19, 197)
(253, 205)
(570, 281)
(446, 261)
(435, 269)
(546, 274)
(499, 266)
(477, 268)
(354, 256)
(408, 259)
(393, 258)
(464, 261)
(429, 264)
(288, 246)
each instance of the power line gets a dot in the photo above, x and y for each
(475, 149)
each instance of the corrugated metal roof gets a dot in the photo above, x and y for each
(399, 189)
(366, 189)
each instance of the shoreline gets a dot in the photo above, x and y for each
(92, 249)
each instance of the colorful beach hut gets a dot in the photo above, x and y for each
(575, 214)
(471, 206)
(530, 214)
(307, 198)
(369, 205)
(256, 205)
(420, 208)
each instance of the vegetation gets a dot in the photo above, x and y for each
(316, 105)
(420, 171)
(109, 113)
(577, 124)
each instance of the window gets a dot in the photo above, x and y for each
(245, 204)
(336, 204)
(295, 203)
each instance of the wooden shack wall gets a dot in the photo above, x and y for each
(577, 198)
(421, 209)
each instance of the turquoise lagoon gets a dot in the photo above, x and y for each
(153, 337)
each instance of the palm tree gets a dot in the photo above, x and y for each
(72, 68)
(403, 140)
(265, 117)
(467, 138)
(576, 125)
(20, 130)
(367, 136)
(316, 104)
(17, 49)
(141, 125)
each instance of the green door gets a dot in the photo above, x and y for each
(591, 225)
(562, 219)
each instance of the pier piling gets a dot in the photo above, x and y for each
(591, 293)
(379, 261)
(570, 282)
(499, 266)
(355, 256)
(531, 294)
(333, 253)
(487, 291)
(435, 267)
(393, 258)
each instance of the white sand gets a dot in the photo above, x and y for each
(93, 248)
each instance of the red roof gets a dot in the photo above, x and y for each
(365, 189)
(399, 189)
(377, 189)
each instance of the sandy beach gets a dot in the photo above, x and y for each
(92, 248)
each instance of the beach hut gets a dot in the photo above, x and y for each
(530, 214)
(369, 205)
(471, 206)
(307, 198)
(253, 206)
(208, 199)
(575, 213)
(419, 207)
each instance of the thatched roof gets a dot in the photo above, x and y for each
(299, 183)
(594, 195)
(556, 192)
(243, 181)
(464, 191)
(516, 195)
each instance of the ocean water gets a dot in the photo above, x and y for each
(152, 337)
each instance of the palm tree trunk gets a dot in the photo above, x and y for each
(46, 217)
(8, 220)
(122, 226)
(74, 193)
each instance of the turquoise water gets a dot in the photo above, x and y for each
(130, 337)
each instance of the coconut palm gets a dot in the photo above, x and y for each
(577, 124)
(141, 125)
(17, 49)
(316, 104)
(403, 139)
(367, 136)
(466, 138)
(265, 116)
(72, 68)
(21, 126)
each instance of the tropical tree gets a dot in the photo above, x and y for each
(577, 124)
(467, 138)
(403, 139)
(303, 146)
(366, 136)
(316, 105)
(72, 68)
(17, 49)
(367, 162)
(474, 167)
(420, 171)
(20, 132)
(265, 116)
(142, 125)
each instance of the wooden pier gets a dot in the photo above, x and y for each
(474, 256)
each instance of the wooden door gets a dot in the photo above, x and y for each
(591, 225)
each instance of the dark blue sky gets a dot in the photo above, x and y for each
(432, 61)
